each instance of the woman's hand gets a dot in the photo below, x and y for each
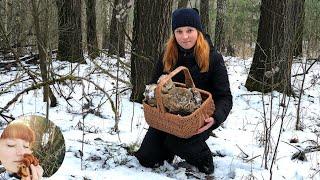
(36, 173)
(207, 124)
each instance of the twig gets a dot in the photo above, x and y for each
(62, 79)
(36, 86)
(109, 74)
(251, 159)
(307, 71)
(250, 94)
(315, 174)
(6, 116)
(246, 155)
(292, 145)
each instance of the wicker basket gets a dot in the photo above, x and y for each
(181, 126)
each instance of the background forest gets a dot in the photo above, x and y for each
(70, 29)
(85, 58)
(240, 29)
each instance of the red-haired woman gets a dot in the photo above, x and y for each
(15, 142)
(190, 48)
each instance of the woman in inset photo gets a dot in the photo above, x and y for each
(31, 147)
(16, 153)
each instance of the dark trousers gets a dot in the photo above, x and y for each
(158, 146)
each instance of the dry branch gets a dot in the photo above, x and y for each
(36, 86)
(301, 154)
(54, 81)
(307, 71)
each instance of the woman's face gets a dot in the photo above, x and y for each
(12, 151)
(186, 36)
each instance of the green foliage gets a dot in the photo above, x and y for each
(241, 21)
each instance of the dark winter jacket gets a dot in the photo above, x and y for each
(214, 81)
(7, 176)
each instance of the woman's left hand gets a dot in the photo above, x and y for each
(207, 124)
(36, 173)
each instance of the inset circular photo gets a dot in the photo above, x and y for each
(30, 146)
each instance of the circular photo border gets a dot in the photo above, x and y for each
(49, 144)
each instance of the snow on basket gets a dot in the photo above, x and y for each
(181, 126)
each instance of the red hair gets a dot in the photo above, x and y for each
(201, 51)
(18, 131)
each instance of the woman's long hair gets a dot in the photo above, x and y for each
(18, 131)
(201, 51)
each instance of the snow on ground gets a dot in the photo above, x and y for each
(237, 148)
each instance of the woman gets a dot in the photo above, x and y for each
(15, 141)
(188, 47)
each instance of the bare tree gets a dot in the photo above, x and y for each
(118, 27)
(41, 29)
(151, 29)
(107, 15)
(13, 20)
(6, 15)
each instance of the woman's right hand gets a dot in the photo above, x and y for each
(208, 123)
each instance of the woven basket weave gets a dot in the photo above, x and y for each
(181, 126)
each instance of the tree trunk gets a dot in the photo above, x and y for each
(6, 24)
(69, 25)
(271, 66)
(107, 13)
(92, 40)
(6, 14)
(123, 25)
(114, 31)
(20, 18)
(219, 31)
(299, 23)
(183, 3)
(151, 28)
(42, 39)
(118, 26)
(204, 14)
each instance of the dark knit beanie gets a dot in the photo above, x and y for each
(186, 17)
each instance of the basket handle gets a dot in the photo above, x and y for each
(187, 78)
